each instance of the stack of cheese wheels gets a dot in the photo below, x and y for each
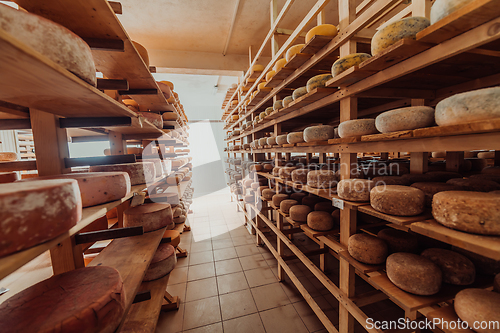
(8, 177)
(299, 213)
(321, 30)
(151, 217)
(478, 307)
(174, 236)
(163, 262)
(287, 100)
(399, 241)
(51, 40)
(286, 204)
(320, 221)
(409, 118)
(278, 198)
(324, 206)
(355, 189)
(397, 200)
(8, 156)
(318, 133)
(456, 268)
(282, 139)
(295, 137)
(324, 179)
(318, 81)
(90, 299)
(431, 188)
(414, 274)
(96, 187)
(367, 249)
(357, 127)
(268, 194)
(139, 173)
(300, 176)
(299, 92)
(395, 31)
(442, 8)
(36, 211)
(474, 212)
(285, 173)
(293, 51)
(346, 62)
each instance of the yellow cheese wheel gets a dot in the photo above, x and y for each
(270, 75)
(442, 8)
(321, 30)
(293, 51)
(395, 31)
(317, 81)
(257, 68)
(235, 117)
(279, 64)
(171, 100)
(168, 83)
(142, 52)
(234, 102)
(170, 116)
(348, 61)
(251, 80)
(299, 92)
(130, 102)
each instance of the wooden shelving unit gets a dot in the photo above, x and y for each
(457, 54)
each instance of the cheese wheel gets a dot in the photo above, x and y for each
(34, 212)
(139, 173)
(492, 177)
(474, 212)
(8, 157)
(414, 274)
(268, 194)
(442, 8)
(278, 105)
(395, 31)
(298, 196)
(90, 299)
(355, 189)
(295, 137)
(168, 83)
(293, 51)
(318, 81)
(52, 40)
(409, 118)
(299, 92)
(174, 235)
(442, 176)
(181, 219)
(287, 100)
(276, 171)
(271, 141)
(257, 68)
(299, 213)
(324, 206)
(469, 106)
(260, 189)
(278, 198)
(367, 249)
(256, 167)
(285, 205)
(456, 268)
(151, 216)
(390, 180)
(430, 189)
(270, 75)
(8, 177)
(496, 283)
(163, 262)
(318, 133)
(320, 221)
(177, 212)
(165, 89)
(171, 198)
(438, 154)
(348, 61)
(491, 170)
(357, 127)
(323, 179)
(311, 201)
(474, 184)
(397, 200)
(300, 176)
(484, 265)
(478, 306)
(321, 30)
(262, 141)
(279, 64)
(399, 241)
(282, 139)
(285, 173)
(486, 154)
(169, 116)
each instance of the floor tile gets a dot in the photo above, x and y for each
(308, 316)
(247, 250)
(260, 276)
(237, 304)
(237, 241)
(231, 282)
(178, 275)
(171, 321)
(202, 271)
(227, 266)
(221, 243)
(269, 296)
(246, 324)
(225, 254)
(200, 257)
(201, 289)
(202, 312)
(178, 289)
(214, 328)
(202, 246)
(283, 319)
(252, 262)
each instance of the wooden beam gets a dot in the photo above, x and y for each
(116, 6)
(100, 235)
(112, 84)
(101, 44)
(17, 166)
(14, 124)
(100, 160)
(138, 92)
(85, 122)
(14, 109)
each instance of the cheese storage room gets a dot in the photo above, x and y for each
(345, 156)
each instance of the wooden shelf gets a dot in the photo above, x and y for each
(359, 266)
(446, 314)
(399, 220)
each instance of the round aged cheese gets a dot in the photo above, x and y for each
(163, 262)
(442, 176)
(321, 30)
(270, 109)
(8, 157)
(395, 31)
(484, 265)
(299, 213)
(287, 100)
(262, 141)
(140, 173)
(247, 182)
(282, 139)
(357, 127)
(398, 240)
(299, 92)
(348, 61)
(320, 221)
(298, 196)
(390, 180)
(268, 194)
(418, 178)
(409, 118)
(285, 173)
(486, 154)
(456, 268)
(295, 137)
(90, 299)
(442, 8)
(177, 211)
(178, 220)
(474, 184)
(151, 216)
(34, 212)
(257, 68)
(321, 179)
(324, 206)
(293, 51)
(469, 106)
(318, 133)
(478, 306)
(367, 249)
(430, 189)
(414, 274)
(311, 201)
(355, 189)
(278, 198)
(267, 167)
(397, 200)
(492, 177)
(300, 176)
(165, 88)
(278, 105)
(255, 168)
(51, 40)
(8, 177)
(255, 185)
(171, 198)
(286, 204)
(169, 116)
(270, 75)
(174, 235)
(493, 170)
(317, 81)
(474, 212)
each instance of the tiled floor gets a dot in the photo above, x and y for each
(228, 284)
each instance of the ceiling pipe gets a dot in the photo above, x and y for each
(233, 20)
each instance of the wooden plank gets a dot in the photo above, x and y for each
(316, 44)
(315, 234)
(446, 314)
(349, 76)
(17, 166)
(359, 266)
(488, 246)
(463, 19)
(399, 220)
(490, 125)
(297, 60)
(100, 160)
(387, 136)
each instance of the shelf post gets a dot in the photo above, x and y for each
(117, 145)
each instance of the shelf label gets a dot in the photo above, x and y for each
(339, 203)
